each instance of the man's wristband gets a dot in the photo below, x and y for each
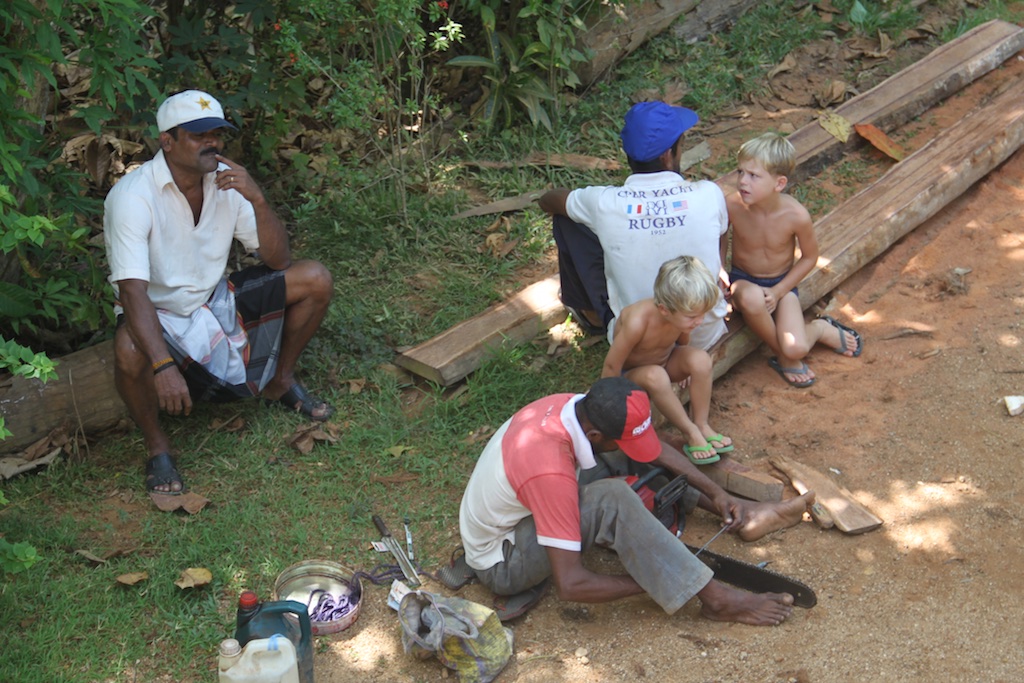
(162, 365)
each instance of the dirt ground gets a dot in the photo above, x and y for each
(915, 428)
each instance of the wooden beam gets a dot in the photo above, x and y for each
(737, 478)
(848, 515)
(910, 193)
(453, 354)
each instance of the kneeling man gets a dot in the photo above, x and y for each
(534, 504)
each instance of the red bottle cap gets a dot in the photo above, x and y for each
(248, 600)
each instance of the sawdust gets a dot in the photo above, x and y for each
(915, 428)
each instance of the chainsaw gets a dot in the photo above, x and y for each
(663, 504)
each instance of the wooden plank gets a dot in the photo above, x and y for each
(453, 354)
(733, 476)
(737, 478)
(910, 193)
(849, 516)
(83, 395)
(910, 92)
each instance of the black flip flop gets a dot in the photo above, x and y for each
(301, 401)
(161, 470)
(457, 573)
(509, 607)
(858, 342)
(774, 364)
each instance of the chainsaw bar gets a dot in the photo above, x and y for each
(756, 579)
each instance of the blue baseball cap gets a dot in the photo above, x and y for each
(653, 127)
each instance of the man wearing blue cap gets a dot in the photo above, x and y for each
(613, 239)
(185, 331)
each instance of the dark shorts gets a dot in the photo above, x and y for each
(737, 274)
(260, 304)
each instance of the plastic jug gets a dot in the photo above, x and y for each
(264, 660)
(257, 619)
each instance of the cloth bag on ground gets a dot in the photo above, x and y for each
(465, 636)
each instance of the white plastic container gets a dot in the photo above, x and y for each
(263, 660)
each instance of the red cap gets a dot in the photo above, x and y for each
(639, 440)
(248, 600)
(621, 410)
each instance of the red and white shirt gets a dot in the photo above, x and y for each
(529, 467)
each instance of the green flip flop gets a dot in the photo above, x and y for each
(723, 449)
(690, 450)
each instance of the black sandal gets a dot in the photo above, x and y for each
(161, 470)
(457, 573)
(301, 401)
(510, 607)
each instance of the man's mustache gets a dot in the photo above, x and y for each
(210, 150)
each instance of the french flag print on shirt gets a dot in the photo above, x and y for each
(634, 208)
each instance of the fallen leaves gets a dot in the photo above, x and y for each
(833, 91)
(306, 437)
(132, 578)
(189, 502)
(836, 125)
(399, 450)
(194, 577)
(880, 140)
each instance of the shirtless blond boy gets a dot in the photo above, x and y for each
(767, 227)
(650, 347)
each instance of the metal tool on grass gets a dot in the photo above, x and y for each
(408, 536)
(404, 563)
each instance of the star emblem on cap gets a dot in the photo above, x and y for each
(204, 103)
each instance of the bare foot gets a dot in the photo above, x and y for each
(718, 441)
(764, 518)
(720, 602)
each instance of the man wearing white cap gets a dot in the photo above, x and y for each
(613, 239)
(185, 330)
(540, 496)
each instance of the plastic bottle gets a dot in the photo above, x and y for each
(257, 619)
(263, 660)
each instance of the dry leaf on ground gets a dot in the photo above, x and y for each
(837, 126)
(132, 578)
(880, 140)
(189, 502)
(787, 64)
(194, 577)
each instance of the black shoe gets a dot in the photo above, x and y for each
(583, 321)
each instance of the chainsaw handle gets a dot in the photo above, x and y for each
(381, 526)
(642, 481)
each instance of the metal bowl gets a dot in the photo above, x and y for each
(299, 581)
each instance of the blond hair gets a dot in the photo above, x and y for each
(774, 152)
(685, 285)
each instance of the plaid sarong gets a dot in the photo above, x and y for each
(249, 307)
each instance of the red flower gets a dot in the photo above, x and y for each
(277, 26)
(443, 4)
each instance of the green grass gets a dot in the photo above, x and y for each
(272, 506)
(402, 275)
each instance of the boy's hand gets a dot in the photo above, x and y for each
(769, 299)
